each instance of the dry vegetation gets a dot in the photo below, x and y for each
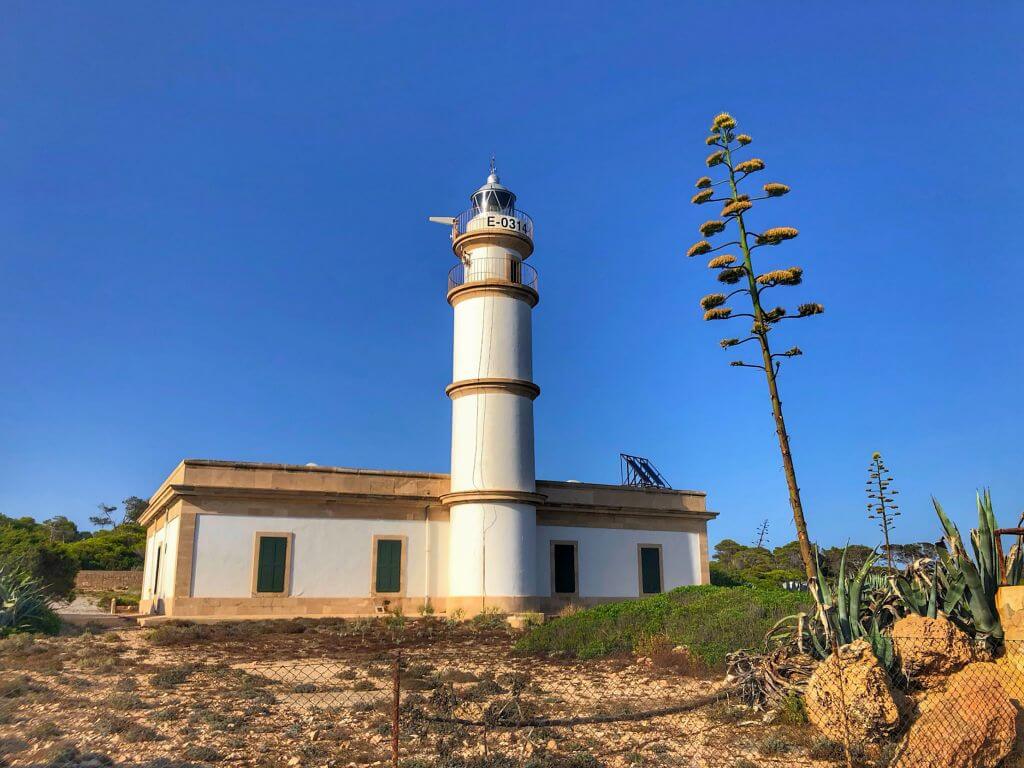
(318, 693)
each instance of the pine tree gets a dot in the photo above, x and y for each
(105, 516)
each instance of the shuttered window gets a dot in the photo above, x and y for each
(270, 568)
(565, 568)
(389, 565)
(650, 570)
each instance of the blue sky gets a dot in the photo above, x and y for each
(213, 242)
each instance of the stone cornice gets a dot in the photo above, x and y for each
(482, 287)
(515, 386)
(508, 238)
(492, 496)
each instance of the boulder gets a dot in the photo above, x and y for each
(971, 724)
(930, 650)
(850, 690)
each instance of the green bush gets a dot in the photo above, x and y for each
(24, 605)
(711, 621)
(120, 549)
(25, 548)
(724, 577)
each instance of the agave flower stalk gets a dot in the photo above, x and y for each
(881, 502)
(752, 285)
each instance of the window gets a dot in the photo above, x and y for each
(650, 569)
(388, 571)
(563, 568)
(156, 570)
(271, 576)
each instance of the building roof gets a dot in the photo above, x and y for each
(234, 479)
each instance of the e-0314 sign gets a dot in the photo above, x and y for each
(507, 221)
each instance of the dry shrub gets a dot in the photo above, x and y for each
(16, 685)
(202, 753)
(453, 675)
(172, 676)
(130, 731)
(664, 654)
(43, 731)
(9, 746)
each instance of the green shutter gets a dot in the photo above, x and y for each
(650, 570)
(271, 565)
(565, 568)
(389, 565)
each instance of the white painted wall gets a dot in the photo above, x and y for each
(608, 565)
(507, 533)
(160, 585)
(331, 557)
(492, 442)
(493, 338)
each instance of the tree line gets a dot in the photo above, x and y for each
(735, 564)
(54, 550)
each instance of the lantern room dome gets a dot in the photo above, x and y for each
(493, 196)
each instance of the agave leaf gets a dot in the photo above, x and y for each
(956, 543)
(1014, 565)
(855, 593)
(842, 600)
(823, 590)
(986, 620)
(954, 595)
(913, 596)
(983, 541)
(933, 599)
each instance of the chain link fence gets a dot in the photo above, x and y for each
(940, 701)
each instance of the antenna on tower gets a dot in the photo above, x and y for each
(762, 536)
(493, 167)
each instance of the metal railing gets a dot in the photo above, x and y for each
(510, 218)
(493, 269)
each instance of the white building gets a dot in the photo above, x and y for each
(244, 539)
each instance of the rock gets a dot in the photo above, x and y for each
(930, 650)
(294, 761)
(971, 724)
(864, 695)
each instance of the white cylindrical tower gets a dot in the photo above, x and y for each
(493, 494)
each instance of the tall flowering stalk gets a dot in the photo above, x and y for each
(752, 285)
(881, 506)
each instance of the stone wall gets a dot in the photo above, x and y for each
(101, 581)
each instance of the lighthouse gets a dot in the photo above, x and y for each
(493, 496)
(236, 538)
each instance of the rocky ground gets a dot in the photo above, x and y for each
(320, 693)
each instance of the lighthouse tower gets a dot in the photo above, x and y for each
(493, 494)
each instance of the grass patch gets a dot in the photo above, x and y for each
(710, 621)
(127, 599)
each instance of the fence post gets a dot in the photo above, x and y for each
(396, 704)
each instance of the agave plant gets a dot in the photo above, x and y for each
(973, 582)
(857, 607)
(928, 588)
(24, 606)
